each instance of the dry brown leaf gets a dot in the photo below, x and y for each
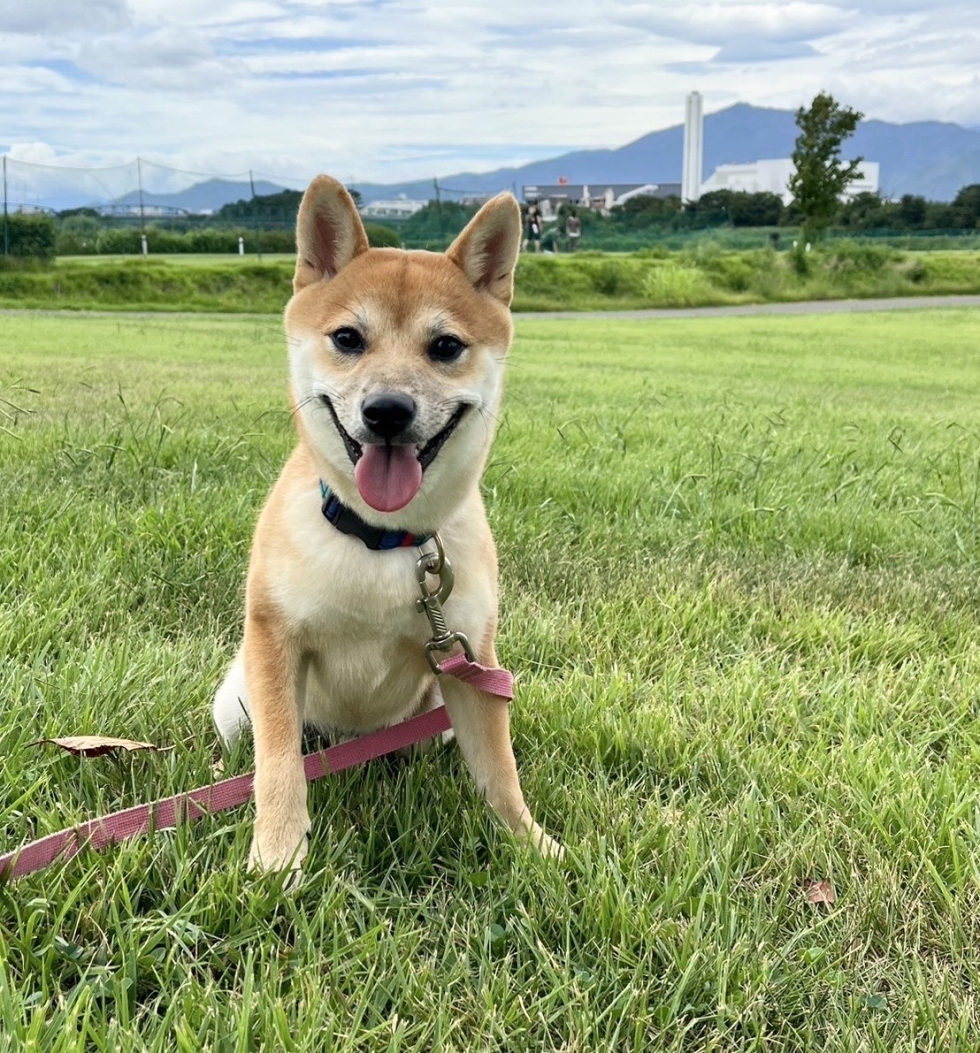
(97, 745)
(818, 892)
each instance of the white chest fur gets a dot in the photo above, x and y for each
(353, 613)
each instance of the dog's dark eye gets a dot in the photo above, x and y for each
(348, 340)
(446, 348)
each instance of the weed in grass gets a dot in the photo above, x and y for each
(739, 565)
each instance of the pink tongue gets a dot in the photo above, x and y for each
(388, 477)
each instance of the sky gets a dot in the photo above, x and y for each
(389, 90)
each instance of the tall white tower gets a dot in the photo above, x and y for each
(693, 148)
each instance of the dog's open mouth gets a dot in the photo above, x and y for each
(353, 447)
(388, 475)
(428, 452)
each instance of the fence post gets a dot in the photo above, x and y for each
(139, 179)
(442, 236)
(6, 234)
(255, 213)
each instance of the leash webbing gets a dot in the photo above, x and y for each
(166, 813)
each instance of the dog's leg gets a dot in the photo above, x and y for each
(281, 818)
(482, 725)
(230, 707)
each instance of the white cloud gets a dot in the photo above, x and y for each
(393, 89)
(766, 20)
(58, 17)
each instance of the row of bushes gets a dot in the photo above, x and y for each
(40, 236)
(707, 275)
(29, 236)
(151, 284)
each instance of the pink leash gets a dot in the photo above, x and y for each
(230, 793)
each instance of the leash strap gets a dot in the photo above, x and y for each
(497, 682)
(165, 814)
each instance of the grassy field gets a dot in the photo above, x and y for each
(704, 274)
(740, 590)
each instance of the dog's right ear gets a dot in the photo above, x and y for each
(486, 251)
(329, 232)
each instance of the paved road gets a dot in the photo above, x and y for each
(910, 303)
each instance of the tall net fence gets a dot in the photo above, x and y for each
(143, 207)
(142, 190)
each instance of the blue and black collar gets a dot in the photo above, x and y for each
(347, 521)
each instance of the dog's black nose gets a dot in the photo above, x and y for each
(388, 413)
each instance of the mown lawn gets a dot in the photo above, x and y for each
(740, 591)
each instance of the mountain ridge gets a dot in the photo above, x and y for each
(931, 158)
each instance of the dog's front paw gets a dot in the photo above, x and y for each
(275, 852)
(547, 846)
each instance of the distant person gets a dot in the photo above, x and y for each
(573, 230)
(532, 229)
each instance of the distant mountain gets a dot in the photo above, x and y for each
(208, 196)
(928, 157)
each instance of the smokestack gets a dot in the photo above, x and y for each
(693, 148)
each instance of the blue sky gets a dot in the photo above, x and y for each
(387, 90)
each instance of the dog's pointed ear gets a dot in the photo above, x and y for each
(329, 232)
(486, 252)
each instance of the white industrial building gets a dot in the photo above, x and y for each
(773, 176)
(599, 197)
(403, 207)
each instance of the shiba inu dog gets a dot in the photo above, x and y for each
(396, 362)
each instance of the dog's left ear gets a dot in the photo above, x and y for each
(486, 251)
(329, 232)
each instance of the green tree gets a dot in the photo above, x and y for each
(761, 209)
(642, 211)
(382, 237)
(29, 235)
(434, 226)
(967, 206)
(279, 207)
(820, 176)
(912, 209)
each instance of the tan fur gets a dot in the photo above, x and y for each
(332, 636)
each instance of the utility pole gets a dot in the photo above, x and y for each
(255, 214)
(6, 233)
(139, 179)
(442, 235)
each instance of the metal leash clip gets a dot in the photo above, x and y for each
(436, 564)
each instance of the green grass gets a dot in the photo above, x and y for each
(184, 259)
(708, 274)
(704, 274)
(740, 588)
